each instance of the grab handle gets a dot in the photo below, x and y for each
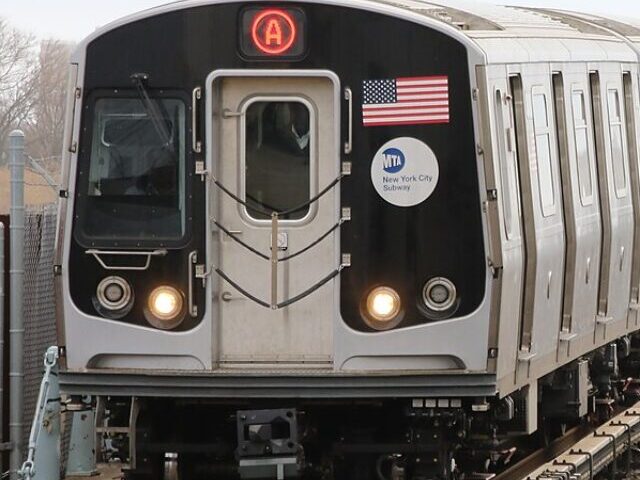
(195, 99)
(98, 254)
(348, 96)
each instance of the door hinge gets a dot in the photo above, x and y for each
(201, 273)
(495, 269)
(201, 169)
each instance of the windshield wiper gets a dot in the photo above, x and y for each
(151, 107)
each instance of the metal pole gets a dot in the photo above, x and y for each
(274, 261)
(81, 461)
(16, 319)
(1, 334)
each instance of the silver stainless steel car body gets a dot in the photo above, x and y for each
(554, 290)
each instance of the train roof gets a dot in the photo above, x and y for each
(501, 34)
(511, 34)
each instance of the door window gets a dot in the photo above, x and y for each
(542, 127)
(617, 145)
(507, 168)
(278, 153)
(581, 126)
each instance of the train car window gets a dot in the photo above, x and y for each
(581, 126)
(135, 188)
(630, 121)
(278, 146)
(617, 142)
(542, 128)
(506, 167)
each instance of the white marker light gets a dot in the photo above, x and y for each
(439, 294)
(114, 295)
(383, 306)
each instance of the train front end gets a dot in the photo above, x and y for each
(273, 233)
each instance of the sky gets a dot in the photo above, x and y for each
(72, 20)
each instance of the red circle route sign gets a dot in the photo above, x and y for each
(273, 31)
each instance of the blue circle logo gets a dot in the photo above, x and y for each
(393, 160)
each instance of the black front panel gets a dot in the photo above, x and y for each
(401, 247)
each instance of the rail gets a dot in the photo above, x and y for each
(583, 452)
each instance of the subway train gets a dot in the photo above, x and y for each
(349, 239)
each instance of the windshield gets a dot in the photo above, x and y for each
(134, 187)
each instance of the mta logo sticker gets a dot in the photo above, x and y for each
(393, 161)
(405, 172)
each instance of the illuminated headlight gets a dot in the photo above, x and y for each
(439, 294)
(114, 297)
(165, 308)
(383, 308)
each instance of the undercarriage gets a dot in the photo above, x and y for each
(359, 439)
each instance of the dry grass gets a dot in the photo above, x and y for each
(106, 472)
(36, 190)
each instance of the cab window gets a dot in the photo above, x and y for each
(133, 184)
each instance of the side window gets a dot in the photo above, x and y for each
(618, 153)
(506, 165)
(581, 126)
(542, 128)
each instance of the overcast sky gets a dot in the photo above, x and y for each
(74, 19)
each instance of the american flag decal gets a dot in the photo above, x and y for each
(405, 101)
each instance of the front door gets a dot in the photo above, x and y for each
(276, 151)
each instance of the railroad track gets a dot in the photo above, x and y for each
(583, 452)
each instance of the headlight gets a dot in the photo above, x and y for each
(114, 297)
(383, 308)
(439, 294)
(165, 307)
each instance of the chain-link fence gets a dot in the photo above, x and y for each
(39, 301)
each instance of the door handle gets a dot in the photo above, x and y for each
(588, 272)
(227, 113)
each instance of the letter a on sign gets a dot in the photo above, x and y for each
(273, 33)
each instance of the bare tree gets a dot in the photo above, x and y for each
(46, 122)
(18, 79)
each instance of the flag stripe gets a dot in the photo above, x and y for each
(403, 98)
(404, 105)
(434, 78)
(423, 90)
(404, 113)
(409, 117)
(437, 100)
(406, 101)
(430, 121)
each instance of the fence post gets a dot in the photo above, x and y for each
(2, 294)
(16, 319)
